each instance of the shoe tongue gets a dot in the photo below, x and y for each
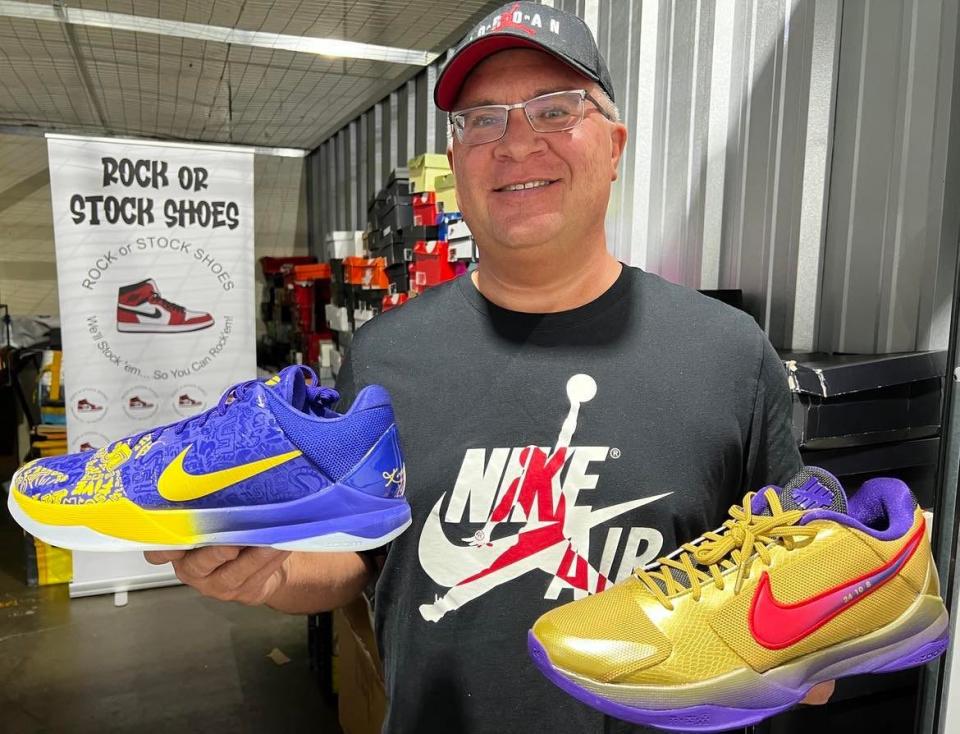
(291, 384)
(812, 488)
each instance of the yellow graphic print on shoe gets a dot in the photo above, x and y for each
(101, 478)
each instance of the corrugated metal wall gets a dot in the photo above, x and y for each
(795, 150)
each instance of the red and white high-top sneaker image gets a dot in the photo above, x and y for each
(137, 403)
(186, 401)
(141, 308)
(85, 406)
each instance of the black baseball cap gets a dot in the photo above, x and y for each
(524, 25)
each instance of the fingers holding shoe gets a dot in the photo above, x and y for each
(248, 575)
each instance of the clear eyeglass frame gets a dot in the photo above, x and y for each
(532, 110)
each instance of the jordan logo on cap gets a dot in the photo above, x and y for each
(512, 18)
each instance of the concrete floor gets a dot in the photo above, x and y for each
(170, 661)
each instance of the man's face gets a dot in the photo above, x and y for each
(579, 164)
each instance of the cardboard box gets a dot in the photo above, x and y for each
(447, 193)
(424, 209)
(343, 244)
(337, 317)
(393, 250)
(396, 217)
(464, 249)
(856, 400)
(46, 564)
(398, 182)
(399, 277)
(327, 349)
(458, 231)
(432, 264)
(426, 169)
(393, 301)
(362, 699)
(362, 316)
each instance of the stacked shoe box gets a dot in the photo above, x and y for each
(425, 212)
(433, 265)
(342, 248)
(390, 219)
(868, 415)
(366, 277)
(277, 310)
(310, 289)
(426, 169)
(392, 300)
(343, 244)
(388, 214)
(46, 564)
(462, 245)
(398, 219)
(447, 193)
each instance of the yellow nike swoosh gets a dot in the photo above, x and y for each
(176, 485)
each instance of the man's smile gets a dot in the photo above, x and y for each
(526, 185)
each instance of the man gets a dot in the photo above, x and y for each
(564, 418)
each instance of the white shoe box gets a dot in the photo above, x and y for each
(361, 316)
(463, 250)
(343, 244)
(458, 231)
(326, 349)
(462, 245)
(337, 317)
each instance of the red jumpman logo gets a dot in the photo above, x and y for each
(507, 21)
(535, 487)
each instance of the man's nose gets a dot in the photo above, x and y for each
(519, 139)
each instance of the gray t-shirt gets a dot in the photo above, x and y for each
(654, 409)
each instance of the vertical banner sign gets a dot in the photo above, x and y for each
(154, 248)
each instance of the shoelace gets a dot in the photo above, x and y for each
(237, 392)
(326, 395)
(742, 539)
(157, 299)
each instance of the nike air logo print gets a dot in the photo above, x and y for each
(528, 501)
(775, 625)
(175, 484)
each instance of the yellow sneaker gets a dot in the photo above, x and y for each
(799, 586)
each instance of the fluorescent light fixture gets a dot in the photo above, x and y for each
(255, 149)
(332, 47)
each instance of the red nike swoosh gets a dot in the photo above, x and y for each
(776, 626)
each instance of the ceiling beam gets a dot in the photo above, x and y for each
(329, 47)
(82, 70)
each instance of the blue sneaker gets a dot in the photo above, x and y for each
(271, 464)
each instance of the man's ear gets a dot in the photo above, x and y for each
(450, 157)
(618, 141)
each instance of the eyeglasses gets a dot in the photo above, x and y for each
(548, 113)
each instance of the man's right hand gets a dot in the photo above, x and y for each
(249, 575)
